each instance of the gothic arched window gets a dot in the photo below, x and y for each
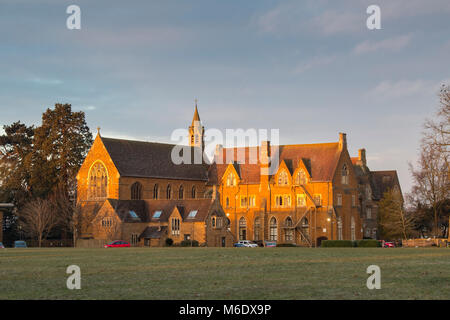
(344, 174)
(169, 192)
(193, 193)
(242, 229)
(136, 191)
(98, 181)
(181, 193)
(273, 232)
(283, 178)
(155, 191)
(257, 228)
(289, 231)
(300, 178)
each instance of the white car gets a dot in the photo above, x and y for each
(245, 243)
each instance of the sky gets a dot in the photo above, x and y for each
(311, 69)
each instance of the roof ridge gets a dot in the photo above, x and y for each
(140, 141)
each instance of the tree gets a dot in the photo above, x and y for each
(431, 186)
(38, 218)
(393, 221)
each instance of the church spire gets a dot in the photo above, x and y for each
(196, 130)
(196, 115)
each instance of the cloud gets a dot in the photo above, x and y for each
(89, 108)
(390, 44)
(43, 81)
(315, 62)
(403, 88)
(334, 22)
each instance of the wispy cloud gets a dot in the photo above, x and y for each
(402, 88)
(43, 81)
(315, 62)
(389, 44)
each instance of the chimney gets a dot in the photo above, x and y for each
(218, 154)
(264, 153)
(362, 156)
(342, 141)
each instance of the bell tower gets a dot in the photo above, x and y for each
(196, 131)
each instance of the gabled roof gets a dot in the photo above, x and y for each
(383, 181)
(151, 159)
(153, 232)
(184, 207)
(123, 208)
(320, 159)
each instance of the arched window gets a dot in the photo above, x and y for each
(98, 181)
(242, 229)
(136, 191)
(273, 232)
(181, 193)
(155, 191)
(344, 174)
(231, 180)
(257, 228)
(169, 192)
(339, 226)
(193, 193)
(283, 178)
(289, 231)
(300, 178)
(353, 228)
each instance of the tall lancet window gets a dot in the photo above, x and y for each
(98, 181)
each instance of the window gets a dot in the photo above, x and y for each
(273, 232)
(353, 200)
(369, 213)
(157, 214)
(257, 228)
(300, 178)
(231, 180)
(98, 181)
(339, 225)
(107, 222)
(368, 193)
(301, 200)
(192, 214)
(227, 202)
(283, 201)
(353, 228)
(136, 191)
(213, 222)
(318, 199)
(155, 191)
(169, 192)
(134, 239)
(193, 192)
(344, 174)
(175, 226)
(133, 215)
(339, 200)
(289, 232)
(252, 201)
(181, 193)
(283, 178)
(243, 202)
(242, 229)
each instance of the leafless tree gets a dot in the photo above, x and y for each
(38, 218)
(393, 220)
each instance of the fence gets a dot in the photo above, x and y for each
(412, 243)
(90, 243)
(50, 243)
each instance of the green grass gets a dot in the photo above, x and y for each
(225, 273)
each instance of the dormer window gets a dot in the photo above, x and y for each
(300, 178)
(282, 178)
(231, 180)
(344, 174)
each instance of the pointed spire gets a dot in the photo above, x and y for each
(196, 116)
(98, 131)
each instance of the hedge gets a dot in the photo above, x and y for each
(337, 243)
(349, 243)
(189, 243)
(286, 245)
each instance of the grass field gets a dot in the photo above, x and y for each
(225, 273)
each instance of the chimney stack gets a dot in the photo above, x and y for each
(264, 152)
(342, 141)
(362, 156)
(218, 154)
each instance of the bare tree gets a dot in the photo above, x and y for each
(38, 218)
(393, 220)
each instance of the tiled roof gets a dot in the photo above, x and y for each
(184, 207)
(151, 159)
(153, 232)
(320, 160)
(123, 208)
(382, 181)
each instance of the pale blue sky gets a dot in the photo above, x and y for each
(308, 68)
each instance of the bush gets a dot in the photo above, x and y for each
(337, 243)
(286, 245)
(189, 243)
(169, 242)
(368, 243)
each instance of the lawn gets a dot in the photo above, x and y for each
(225, 273)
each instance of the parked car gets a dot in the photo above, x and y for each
(389, 245)
(246, 243)
(117, 244)
(20, 244)
(2, 246)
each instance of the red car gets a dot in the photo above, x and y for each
(117, 244)
(389, 245)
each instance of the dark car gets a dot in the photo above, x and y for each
(117, 244)
(20, 244)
